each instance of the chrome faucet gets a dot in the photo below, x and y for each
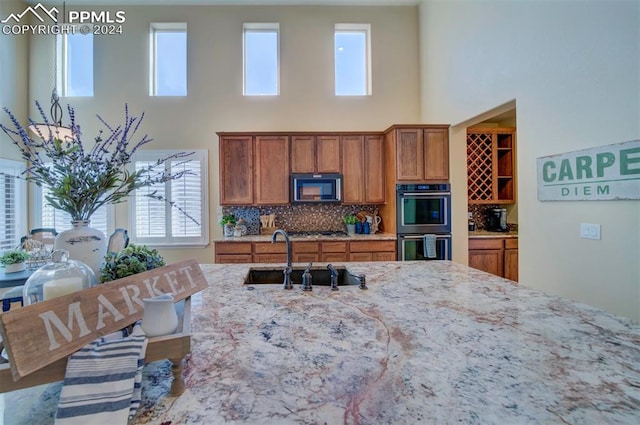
(334, 277)
(286, 283)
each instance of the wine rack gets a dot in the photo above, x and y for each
(490, 165)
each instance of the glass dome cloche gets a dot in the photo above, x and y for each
(61, 276)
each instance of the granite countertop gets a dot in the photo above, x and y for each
(431, 342)
(488, 234)
(267, 238)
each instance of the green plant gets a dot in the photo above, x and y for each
(132, 260)
(228, 218)
(13, 256)
(350, 219)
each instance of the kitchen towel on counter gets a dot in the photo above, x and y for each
(102, 384)
(429, 250)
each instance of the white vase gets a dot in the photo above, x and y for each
(13, 268)
(84, 243)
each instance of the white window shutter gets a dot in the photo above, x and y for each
(13, 206)
(183, 219)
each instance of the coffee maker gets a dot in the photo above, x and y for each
(497, 220)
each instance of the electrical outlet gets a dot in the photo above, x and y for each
(589, 231)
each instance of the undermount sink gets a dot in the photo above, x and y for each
(321, 277)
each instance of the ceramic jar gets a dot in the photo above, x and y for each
(84, 244)
(159, 317)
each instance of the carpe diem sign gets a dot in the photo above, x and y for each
(609, 172)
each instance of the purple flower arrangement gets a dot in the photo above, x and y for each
(82, 178)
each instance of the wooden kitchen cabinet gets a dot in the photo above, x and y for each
(511, 259)
(498, 256)
(363, 169)
(267, 252)
(421, 153)
(272, 170)
(372, 251)
(233, 252)
(488, 260)
(353, 169)
(315, 154)
(334, 251)
(305, 252)
(374, 178)
(491, 165)
(236, 170)
(326, 251)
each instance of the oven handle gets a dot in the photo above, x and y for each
(424, 194)
(438, 236)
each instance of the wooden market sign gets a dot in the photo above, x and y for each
(609, 172)
(39, 334)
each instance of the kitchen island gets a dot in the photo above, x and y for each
(432, 342)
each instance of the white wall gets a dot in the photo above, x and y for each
(215, 101)
(573, 68)
(13, 77)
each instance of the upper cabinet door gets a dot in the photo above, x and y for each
(328, 154)
(374, 170)
(272, 170)
(409, 154)
(236, 170)
(353, 169)
(303, 154)
(436, 154)
(315, 154)
(422, 154)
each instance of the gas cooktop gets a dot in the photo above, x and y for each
(333, 233)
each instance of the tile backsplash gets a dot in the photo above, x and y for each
(297, 218)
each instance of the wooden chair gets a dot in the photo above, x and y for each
(118, 241)
(46, 235)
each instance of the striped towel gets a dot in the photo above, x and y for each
(102, 384)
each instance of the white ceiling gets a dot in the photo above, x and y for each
(230, 2)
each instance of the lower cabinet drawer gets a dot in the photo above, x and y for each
(511, 243)
(372, 246)
(233, 248)
(299, 247)
(269, 258)
(384, 256)
(361, 256)
(334, 247)
(486, 243)
(269, 248)
(306, 258)
(233, 258)
(329, 257)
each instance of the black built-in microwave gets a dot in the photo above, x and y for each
(308, 188)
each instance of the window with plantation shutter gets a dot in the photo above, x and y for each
(61, 220)
(47, 216)
(181, 218)
(13, 208)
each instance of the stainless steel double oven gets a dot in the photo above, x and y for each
(423, 212)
